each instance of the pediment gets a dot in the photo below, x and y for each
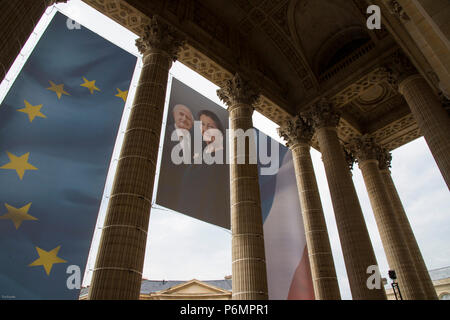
(193, 287)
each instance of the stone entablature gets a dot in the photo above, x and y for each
(212, 60)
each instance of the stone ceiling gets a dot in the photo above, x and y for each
(294, 50)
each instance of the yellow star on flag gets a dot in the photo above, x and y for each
(58, 89)
(47, 259)
(32, 111)
(20, 164)
(17, 215)
(90, 85)
(122, 94)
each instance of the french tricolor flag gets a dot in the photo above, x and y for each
(288, 268)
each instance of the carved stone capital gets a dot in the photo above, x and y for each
(237, 90)
(159, 35)
(349, 157)
(365, 148)
(384, 159)
(399, 67)
(323, 114)
(396, 9)
(296, 130)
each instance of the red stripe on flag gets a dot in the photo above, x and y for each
(302, 285)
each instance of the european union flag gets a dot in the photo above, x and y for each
(58, 126)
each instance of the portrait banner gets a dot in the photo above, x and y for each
(190, 185)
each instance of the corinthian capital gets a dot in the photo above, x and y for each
(384, 159)
(159, 35)
(396, 9)
(365, 148)
(399, 68)
(238, 90)
(349, 157)
(323, 114)
(296, 130)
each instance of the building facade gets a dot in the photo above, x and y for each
(221, 289)
(318, 71)
(180, 290)
(441, 282)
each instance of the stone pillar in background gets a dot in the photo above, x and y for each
(395, 247)
(298, 134)
(17, 22)
(427, 22)
(408, 234)
(431, 118)
(248, 255)
(427, 109)
(120, 259)
(355, 241)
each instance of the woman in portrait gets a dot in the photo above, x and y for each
(207, 184)
(212, 132)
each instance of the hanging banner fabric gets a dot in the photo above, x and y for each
(190, 186)
(58, 127)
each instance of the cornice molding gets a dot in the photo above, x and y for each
(352, 91)
(219, 70)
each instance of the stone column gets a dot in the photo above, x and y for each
(427, 109)
(120, 259)
(431, 118)
(17, 22)
(396, 249)
(248, 255)
(355, 240)
(408, 234)
(298, 134)
(426, 21)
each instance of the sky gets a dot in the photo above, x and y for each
(183, 248)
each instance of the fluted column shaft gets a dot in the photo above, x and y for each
(320, 256)
(432, 119)
(120, 259)
(396, 249)
(408, 236)
(355, 241)
(248, 253)
(298, 133)
(17, 21)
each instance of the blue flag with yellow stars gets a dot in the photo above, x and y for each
(58, 126)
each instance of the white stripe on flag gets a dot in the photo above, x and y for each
(284, 235)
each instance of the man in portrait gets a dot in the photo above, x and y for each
(180, 122)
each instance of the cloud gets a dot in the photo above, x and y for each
(180, 247)
(425, 198)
